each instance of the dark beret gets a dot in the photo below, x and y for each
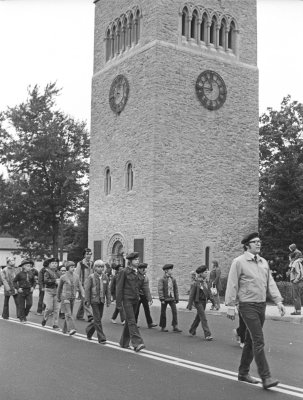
(133, 255)
(26, 261)
(201, 269)
(168, 266)
(49, 260)
(142, 265)
(249, 237)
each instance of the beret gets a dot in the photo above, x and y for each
(249, 237)
(201, 269)
(142, 265)
(26, 261)
(168, 266)
(133, 255)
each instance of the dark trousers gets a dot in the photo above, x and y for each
(121, 312)
(143, 300)
(25, 301)
(241, 330)
(40, 306)
(96, 324)
(200, 317)
(5, 312)
(130, 330)
(173, 307)
(253, 315)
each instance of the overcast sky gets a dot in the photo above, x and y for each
(52, 40)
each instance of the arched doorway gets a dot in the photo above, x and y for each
(117, 253)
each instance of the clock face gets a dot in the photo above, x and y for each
(118, 93)
(211, 90)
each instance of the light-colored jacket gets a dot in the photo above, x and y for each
(68, 286)
(8, 275)
(250, 281)
(295, 270)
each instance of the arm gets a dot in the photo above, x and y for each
(87, 290)
(232, 286)
(217, 278)
(60, 287)
(146, 289)
(192, 295)
(176, 291)
(107, 293)
(4, 280)
(161, 289)
(119, 289)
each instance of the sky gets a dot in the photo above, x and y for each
(45, 41)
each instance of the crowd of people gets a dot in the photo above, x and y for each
(96, 286)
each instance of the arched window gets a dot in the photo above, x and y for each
(231, 36)
(124, 34)
(203, 28)
(119, 37)
(129, 177)
(114, 47)
(222, 33)
(107, 181)
(138, 27)
(131, 30)
(207, 250)
(108, 46)
(193, 25)
(212, 35)
(185, 22)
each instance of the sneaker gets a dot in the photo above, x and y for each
(193, 333)
(152, 325)
(113, 321)
(89, 337)
(72, 332)
(139, 348)
(56, 328)
(164, 330)
(39, 313)
(123, 323)
(237, 337)
(43, 323)
(23, 321)
(296, 313)
(209, 338)
(176, 329)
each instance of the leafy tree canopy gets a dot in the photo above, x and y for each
(46, 153)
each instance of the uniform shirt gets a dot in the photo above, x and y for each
(249, 281)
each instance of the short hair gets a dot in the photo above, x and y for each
(87, 250)
(215, 262)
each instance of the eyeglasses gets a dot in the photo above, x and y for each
(255, 241)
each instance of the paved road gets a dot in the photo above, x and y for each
(38, 363)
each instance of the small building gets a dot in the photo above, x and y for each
(8, 247)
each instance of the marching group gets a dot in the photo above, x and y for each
(249, 282)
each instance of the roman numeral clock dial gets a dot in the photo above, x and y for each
(211, 90)
(118, 94)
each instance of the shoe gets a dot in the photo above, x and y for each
(123, 323)
(152, 325)
(39, 313)
(209, 338)
(164, 330)
(72, 332)
(247, 378)
(269, 382)
(296, 313)
(102, 341)
(139, 348)
(193, 333)
(241, 345)
(23, 321)
(113, 321)
(89, 337)
(125, 347)
(43, 323)
(90, 318)
(80, 319)
(237, 337)
(56, 328)
(176, 329)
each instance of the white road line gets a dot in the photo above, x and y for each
(179, 362)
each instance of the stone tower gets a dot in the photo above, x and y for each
(174, 135)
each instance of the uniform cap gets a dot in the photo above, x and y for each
(201, 269)
(168, 266)
(142, 265)
(133, 255)
(249, 237)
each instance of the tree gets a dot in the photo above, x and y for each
(281, 179)
(46, 154)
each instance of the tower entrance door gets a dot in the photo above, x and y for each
(117, 253)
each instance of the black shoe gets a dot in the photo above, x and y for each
(176, 330)
(296, 313)
(247, 378)
(152, 325)
(80, 319)
(90, 318)
(43, 323)
(270, 382)
(193, 333)
(139, 348)
(102, 341)
(164, 330)
(89, 337)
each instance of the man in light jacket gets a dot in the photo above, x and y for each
(8, 275)
(248, 283)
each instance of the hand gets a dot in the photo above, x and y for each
(281, 309)
(189, 308)
(176, 301)
(87, 303)
(231, 313)
(31, 289)
(20, 290)
(162, 302)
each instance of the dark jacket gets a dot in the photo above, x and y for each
(24, 280)
(41, 278)
(198, 293)
(129, 283)
(92, 289)
(50, 278)
(163, 290)
(215, 278)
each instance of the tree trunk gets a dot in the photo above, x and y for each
(55, 239)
